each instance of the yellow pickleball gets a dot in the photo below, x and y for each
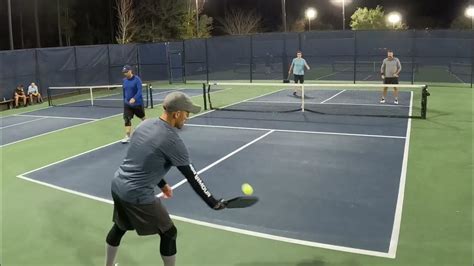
(247, 189)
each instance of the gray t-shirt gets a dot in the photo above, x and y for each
(154, 148)
(390, 67)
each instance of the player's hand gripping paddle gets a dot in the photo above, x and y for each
(241, 202)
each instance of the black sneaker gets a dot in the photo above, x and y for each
(294, 93)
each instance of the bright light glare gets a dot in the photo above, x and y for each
(394, 17)
(311, 13)
(469, 11)
(340, 2)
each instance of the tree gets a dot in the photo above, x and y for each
(372, 19)
(163, 20)
(127, 27)
(68, 24)
(240, 22)
(204, 28)
(461, 22)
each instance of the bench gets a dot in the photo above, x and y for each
(7, 103)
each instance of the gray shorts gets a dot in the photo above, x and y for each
(146, 219)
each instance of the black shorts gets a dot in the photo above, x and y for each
(393, 80)
(299, 78)
(145, 219)
(130, 111)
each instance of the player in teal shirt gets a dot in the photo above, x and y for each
(297, 65)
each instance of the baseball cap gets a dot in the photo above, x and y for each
(126, 68)
(178, 101)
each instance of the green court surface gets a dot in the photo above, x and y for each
(44, 226)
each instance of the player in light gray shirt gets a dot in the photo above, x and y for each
(390, 70)
(155, 147)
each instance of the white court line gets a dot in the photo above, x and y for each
(349, 104)
(57, 130)
(226, 228)
(299, 131)
(60, 117)
(392, 251)
(220, 160)
(25, 122)
(456, 76)
(333, 96)
(61, 129)
(207, 224)
(368, 77)
(332, 74)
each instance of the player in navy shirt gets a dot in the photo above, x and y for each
(133, 100)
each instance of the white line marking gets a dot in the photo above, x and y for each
(223, 227)
(300, 131)
(65, 189)
(207, 224)
(283, 239)
(71, 157)
(221, 160)
(61, 129)
(392, 251)
(349, 104)
(57, 130)
(457, 77)
(60, 117)
(335, 95)
(25, 122)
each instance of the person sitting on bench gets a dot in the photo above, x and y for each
(19, 94)
(33, 93)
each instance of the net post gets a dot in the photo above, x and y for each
(424, 101)
(150, 92)
(302, 98)
(92, 96)
(204, 95)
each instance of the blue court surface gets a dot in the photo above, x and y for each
(17, 128)
(326, 181)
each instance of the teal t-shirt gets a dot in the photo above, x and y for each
(298, 66)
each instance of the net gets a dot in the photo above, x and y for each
(100, 96)
(322, 99)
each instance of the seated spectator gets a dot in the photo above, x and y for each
(34, 93)
(19, 94)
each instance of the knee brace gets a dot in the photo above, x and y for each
(128, 121)
(114, 236)
(168, 242)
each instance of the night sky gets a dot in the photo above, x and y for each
(417, 14)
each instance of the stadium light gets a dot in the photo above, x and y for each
(394, 18)
(311, 13)
(342, 3)
(470, 14)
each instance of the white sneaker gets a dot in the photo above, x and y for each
(382, 101)
(396, 101)
(125, 140)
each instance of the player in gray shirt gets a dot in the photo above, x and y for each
(390, 70)
(155, 147)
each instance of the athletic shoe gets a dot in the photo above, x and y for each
(396, 101)
(382, 101)
(294, 93)
(125, 140)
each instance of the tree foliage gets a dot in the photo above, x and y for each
(240, 22)
(372, 19)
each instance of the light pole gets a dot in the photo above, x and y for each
(394, 18)
(197, 18)
(470, 14)
(311, 13)
(283, 14)
(10, 31)
(343, 5)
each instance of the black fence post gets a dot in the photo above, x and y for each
(251, 59)
(413, 47)
(207, 60)
(355, 56)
